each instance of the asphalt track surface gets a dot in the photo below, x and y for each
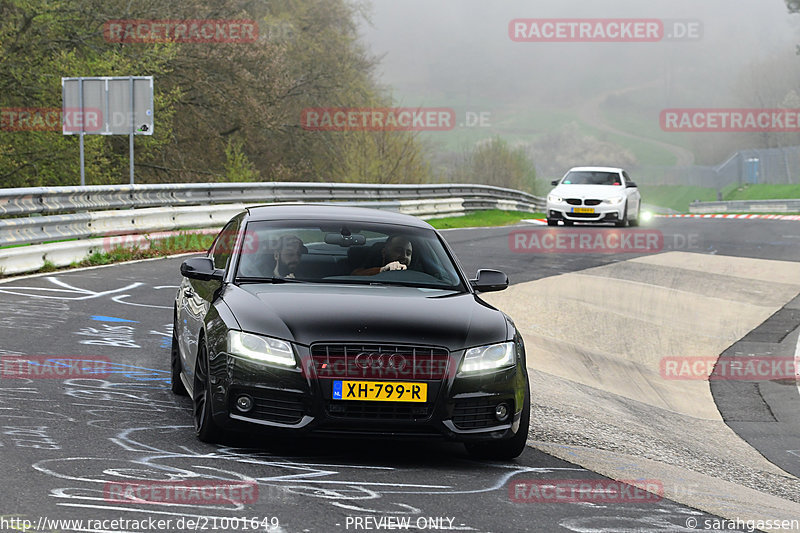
(64, 443)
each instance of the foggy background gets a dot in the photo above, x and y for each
(568, 103)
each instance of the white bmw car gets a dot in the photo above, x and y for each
(594, 194)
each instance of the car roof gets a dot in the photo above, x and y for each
(319, 211)
(594, 169)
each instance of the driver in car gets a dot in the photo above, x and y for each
(287, 256)
(395, 255)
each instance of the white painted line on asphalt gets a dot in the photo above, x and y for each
(797, 365)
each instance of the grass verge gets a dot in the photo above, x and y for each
(177, 244)
(679, 197)
(490, 217)
(763, 192)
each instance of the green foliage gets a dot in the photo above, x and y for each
(238, 168)
(307, 54)
(42, 41)
(494, 162)
(48, 266)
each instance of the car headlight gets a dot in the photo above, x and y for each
(553, 198)
(260, 348)
(614, 201)
(490, 357)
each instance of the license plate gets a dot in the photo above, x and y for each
(583, 209)
(380, 391)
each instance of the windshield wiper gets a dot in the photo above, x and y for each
(257, 279)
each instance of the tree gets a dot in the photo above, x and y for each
(494, 162)
(216, 104)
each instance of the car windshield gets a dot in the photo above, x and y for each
(591, 177)
(343, 252)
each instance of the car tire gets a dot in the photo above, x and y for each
(624, 222)
(204, 426)
(505, 449)
(176, 385)
(635, 222)
(568, 222)
(551, 222)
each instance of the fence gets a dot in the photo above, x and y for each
(746, 206)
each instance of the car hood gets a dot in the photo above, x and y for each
(599, 192)
(308, 313)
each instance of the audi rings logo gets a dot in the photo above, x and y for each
(374, 360)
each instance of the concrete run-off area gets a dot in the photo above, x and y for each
(595, 341)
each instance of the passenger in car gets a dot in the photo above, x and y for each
(395, 255)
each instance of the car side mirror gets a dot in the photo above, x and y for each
(201, 268)
(554, 182)
(629, 184)
(489, 280)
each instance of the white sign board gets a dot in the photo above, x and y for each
(107, 105)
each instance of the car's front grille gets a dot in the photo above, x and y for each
(272, 406)
(592, 202)
(373, 361)
(475, 413)
(574, 201)
(584, 215)
(378, 410)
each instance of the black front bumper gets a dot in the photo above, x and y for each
(589, 217)
(300, 402)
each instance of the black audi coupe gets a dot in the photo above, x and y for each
(323, 319)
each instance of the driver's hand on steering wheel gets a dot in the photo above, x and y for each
(394, 265)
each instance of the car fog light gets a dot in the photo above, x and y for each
(501, 411)
(244, 403)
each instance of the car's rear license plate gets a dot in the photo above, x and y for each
(583, 209)
(380, 391)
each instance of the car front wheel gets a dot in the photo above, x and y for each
(204, 426)
(624, 222)
(635, 222)
(551, 222)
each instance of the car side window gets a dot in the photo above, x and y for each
(221, 252)
(627, 178)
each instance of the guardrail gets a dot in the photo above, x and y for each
(87, 213)
(53, 200)
(746, 206)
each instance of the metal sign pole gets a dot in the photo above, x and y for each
(80, 115)
(103, 99)
(130, 142)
